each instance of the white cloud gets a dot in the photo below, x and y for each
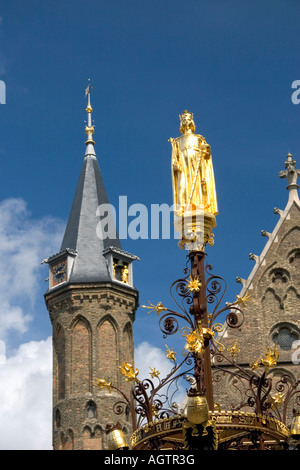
(26, 375)
(26, 398)
(24, 242)
(148, 356)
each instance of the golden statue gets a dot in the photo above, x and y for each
(125, 274)
(192, 169)
(194, 190)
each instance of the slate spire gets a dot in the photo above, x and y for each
(84, 234)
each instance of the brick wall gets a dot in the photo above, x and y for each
(275, 304)
(92, 330)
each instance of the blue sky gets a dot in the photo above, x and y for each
(231, 63)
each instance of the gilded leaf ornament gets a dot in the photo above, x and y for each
(129, 372)
(155, 308)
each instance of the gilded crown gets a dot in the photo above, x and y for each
(187, 121)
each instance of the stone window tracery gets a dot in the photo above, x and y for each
(294, 258)
(284, 335)
(279, 276)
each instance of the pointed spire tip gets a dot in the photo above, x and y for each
(89, 128)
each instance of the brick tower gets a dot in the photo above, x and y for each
(271, 317)
(92, 302)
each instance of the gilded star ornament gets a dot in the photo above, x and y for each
(193, 284)
(154, 373)
(155, 308)
(242, 300)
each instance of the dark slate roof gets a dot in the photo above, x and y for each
(80, 235)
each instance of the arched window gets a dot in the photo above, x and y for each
(91, 409)
(57, 418)
(284, 335)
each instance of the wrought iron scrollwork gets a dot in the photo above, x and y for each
(153, 400)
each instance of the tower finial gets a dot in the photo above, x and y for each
(291, 174)
(89, 128)
(89, 108)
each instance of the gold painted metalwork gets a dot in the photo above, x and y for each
(192, 169)
(101, 383)
(155, 308)
(116, 440)
(193, 284)
(269, 361)
(295, 429)
(154, 410)
(209, 238)
(217, 407)
(195, 338)
(129, 372)
(270, 358)
(89, 130)
(234, 350)
(218, 328)
(197, 409)
(171, 354)
(208, 333)
(193, 185)
(89, 108)
(229, 425)
(242, 300)
(194, 342)
(278, 399)
(255, 365)
(154, 373)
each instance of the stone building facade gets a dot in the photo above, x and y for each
(271, 315)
